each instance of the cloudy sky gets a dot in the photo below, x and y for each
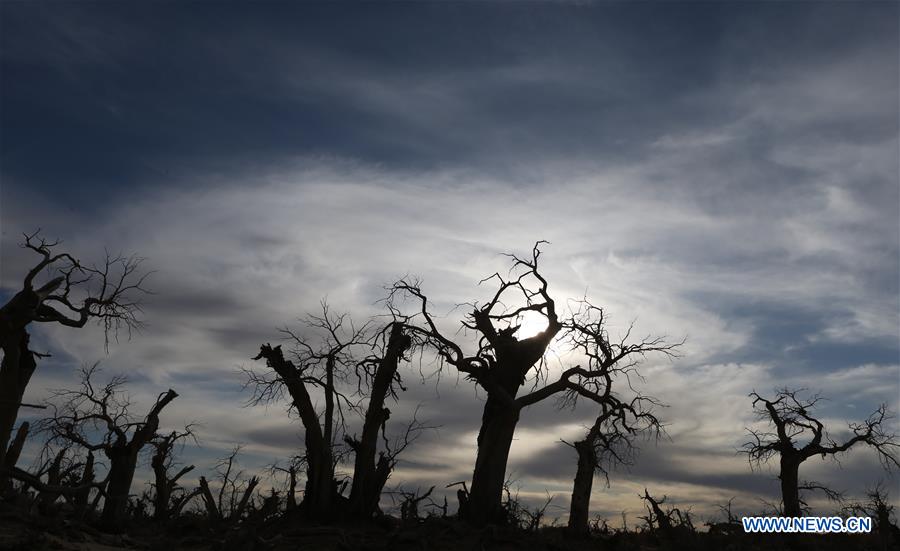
(722, 172)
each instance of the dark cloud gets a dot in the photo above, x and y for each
(119, 95)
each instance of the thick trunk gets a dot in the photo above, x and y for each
(10, 397)
(122, 462)
(18, 362)
(514, 359)
(292, 489)
(12, 454)
(498, 425)
(87, 477)
(369, 477)
(212, 510)
(790, 493)
(48, 497)
(318, 501)
(161, 499)
(320, 487)
(245, 498)
(15, 371)
(581, 490)
(366, 488)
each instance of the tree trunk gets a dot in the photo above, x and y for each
(161, 499)
(15, 371)
(369, 477)
(87, 477)
(122, 462)
(790, 493)
(319, 498)
(12, 454)
(498, 424)
(242, 504)
(292, 489)
(581, 490)
(48, 497)
(212, 510)
(318, 501)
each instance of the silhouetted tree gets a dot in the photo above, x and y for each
(878, 507)
(730, 526)
(169, 498)
(291, 472)
(326, 362)
(671, 524)
(322, 362)
(409, 503)
(80, 499)
(60, 471)
(235, 491)
(794, 423)
(75, 294)
(15, 450)
(379, 372)
(503, 363)
(98, 420)
(608, 442)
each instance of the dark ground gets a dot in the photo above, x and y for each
(23, 532)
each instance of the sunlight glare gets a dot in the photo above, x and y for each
(531, 323)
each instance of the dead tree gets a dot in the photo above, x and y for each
(14, 451)
(379, 374)
(668, 523)
(799, 436)
(80, 500)
(74, 294)
(98, 420)
(294, 465)
(212, 510)
(503, 363)
(319, 495)
(730, 526)
(608, 442)
(169, 497)
(60, 469)
(321, 364)
(409, 502)
(878, 507)
(234, 493)
(324, 362)
(56, 471)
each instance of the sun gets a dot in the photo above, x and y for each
(530, 324)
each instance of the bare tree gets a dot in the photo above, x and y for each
(322, 362)
(409, 502)
(98, 420)
(59, 467)
(503, 363)
(14, 451)
(878, 506)
(730, 526)
(169, 497)
(74, 294)
(235, 491)
(799, 436)
(669, 523)
(326, 362)
(608, 442)
(291, 471)
(379, 374)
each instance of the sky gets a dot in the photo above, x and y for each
(726, 173)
